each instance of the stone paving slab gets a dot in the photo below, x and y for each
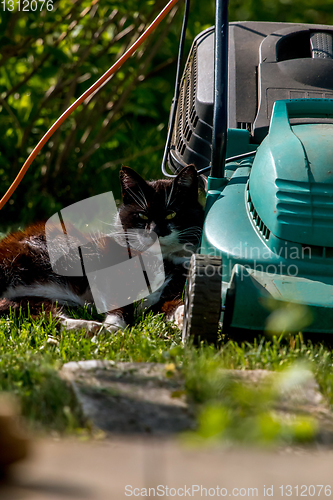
(136, 464)
(297, 393)
(130, 398)
(149, 398)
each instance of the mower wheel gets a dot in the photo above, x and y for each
(202, 300)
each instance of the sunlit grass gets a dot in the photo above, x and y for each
(32, 352)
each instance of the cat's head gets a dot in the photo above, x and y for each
(169, 208)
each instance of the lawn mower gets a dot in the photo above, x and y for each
(255, 111)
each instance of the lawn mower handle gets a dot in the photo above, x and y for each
(219, 138)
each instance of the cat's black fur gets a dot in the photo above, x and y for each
(169, 208)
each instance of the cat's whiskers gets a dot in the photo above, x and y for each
(191, 228)
(143, 198)
(170, 195)
(142, 204)
(190, 231)
(136, 238)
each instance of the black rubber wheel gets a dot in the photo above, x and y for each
(202, 300)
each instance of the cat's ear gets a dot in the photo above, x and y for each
(187, 179)
(130, 181)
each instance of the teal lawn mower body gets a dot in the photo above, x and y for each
(268, 234)
(280, 205)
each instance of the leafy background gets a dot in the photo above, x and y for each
(48, 58)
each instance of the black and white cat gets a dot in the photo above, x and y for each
(168, 208)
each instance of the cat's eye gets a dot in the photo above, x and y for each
(171, 215)
(143, 216)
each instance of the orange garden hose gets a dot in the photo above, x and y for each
(84, 96)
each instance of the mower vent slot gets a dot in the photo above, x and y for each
(317, 251)
(244, 126)
(186, 116)
(192, 133)
(263, 229)
(329, 252)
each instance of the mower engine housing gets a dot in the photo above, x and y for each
(267, 62)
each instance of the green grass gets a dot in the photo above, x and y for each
(233, 411)
(32, 352)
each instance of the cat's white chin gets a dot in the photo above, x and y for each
(170, 244)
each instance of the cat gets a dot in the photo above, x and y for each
(169, 208)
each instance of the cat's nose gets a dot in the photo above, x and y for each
(154, 228)
(160, 231)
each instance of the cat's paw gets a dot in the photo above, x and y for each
(91, 327)
(178, 317)
(113, 323)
